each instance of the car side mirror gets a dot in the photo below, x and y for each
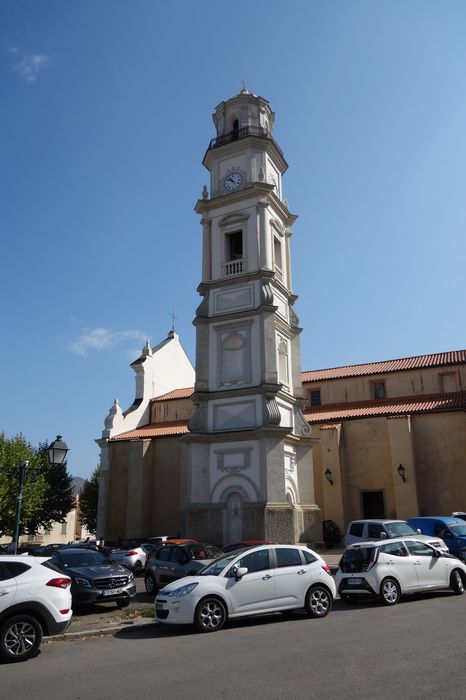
(383, 535)
(240, 572)
(418, 531)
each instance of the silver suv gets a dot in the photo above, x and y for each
(35, 600)
(372, 530)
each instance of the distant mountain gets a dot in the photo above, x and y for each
(77, 483)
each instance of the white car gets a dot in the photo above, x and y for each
(35, 600)
(133, 556)
(396, 567)
(369, 530)
(258, 580)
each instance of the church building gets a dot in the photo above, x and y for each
(248, 446)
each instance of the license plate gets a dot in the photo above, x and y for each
(354, 581)
(114, 591)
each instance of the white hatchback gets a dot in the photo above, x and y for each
(35, 600)
(396, 567)
(254, 581)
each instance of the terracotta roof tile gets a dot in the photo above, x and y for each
(175, 394)
(387, 407)
(145, 432)
(456, 357)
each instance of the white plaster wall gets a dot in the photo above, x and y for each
(166, 369)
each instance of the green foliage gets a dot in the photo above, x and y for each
(88, 499)
(47, 494)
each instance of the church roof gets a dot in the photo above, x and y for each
(177, 427)
(386, 407)
(175, 394)
(455, 357)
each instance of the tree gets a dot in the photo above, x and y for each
(88, 499)
(47, 494)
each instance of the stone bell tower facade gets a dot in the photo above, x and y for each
(249, 450)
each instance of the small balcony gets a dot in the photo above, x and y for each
(243, 133)
(234, 267)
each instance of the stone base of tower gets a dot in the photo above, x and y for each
(277, 522)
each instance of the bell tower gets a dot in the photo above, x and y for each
(250, 472)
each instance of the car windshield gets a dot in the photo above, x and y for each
(458, 529)
(400, 529)
(203, 551)
(218, 565)
(88, 558)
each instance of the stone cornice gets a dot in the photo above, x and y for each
(256, 189)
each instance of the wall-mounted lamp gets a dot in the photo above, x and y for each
(402, 472)
(329, 476)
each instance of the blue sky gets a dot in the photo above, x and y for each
(105, 116)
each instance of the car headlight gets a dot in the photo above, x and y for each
(82, 582)
(183, 590)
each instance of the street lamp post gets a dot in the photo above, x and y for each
(19, 500)
(57, 452)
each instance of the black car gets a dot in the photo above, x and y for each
(95, 577)
(173, 561)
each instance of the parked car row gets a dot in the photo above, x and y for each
(447, 533)
(196, 583)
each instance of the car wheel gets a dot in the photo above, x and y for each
(137, 568)
(151, 586)
(456, 582)
(318, 601)
(390, 592)
(20, 638)
(210, 615)
(123, 603)
(348, 598)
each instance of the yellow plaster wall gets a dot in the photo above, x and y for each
(440, 452)
(163, 411)
(413, 382)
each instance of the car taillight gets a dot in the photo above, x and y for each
(62, 582)
(64, 612)
(133, 551)
(327, 569)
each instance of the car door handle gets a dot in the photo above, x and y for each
(4, 592)
(266, 577)
(301, 571)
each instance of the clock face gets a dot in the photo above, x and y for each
(232, 182)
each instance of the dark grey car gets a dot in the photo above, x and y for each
(172, 562)
(95, 577)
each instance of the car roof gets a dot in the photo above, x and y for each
(392, 540)
(75, 550)
(442, 518)
(377, 520)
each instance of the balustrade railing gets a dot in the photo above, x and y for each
(234, 267)
(243, 133)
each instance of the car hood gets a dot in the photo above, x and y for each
(97, 571)
(183, 581)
